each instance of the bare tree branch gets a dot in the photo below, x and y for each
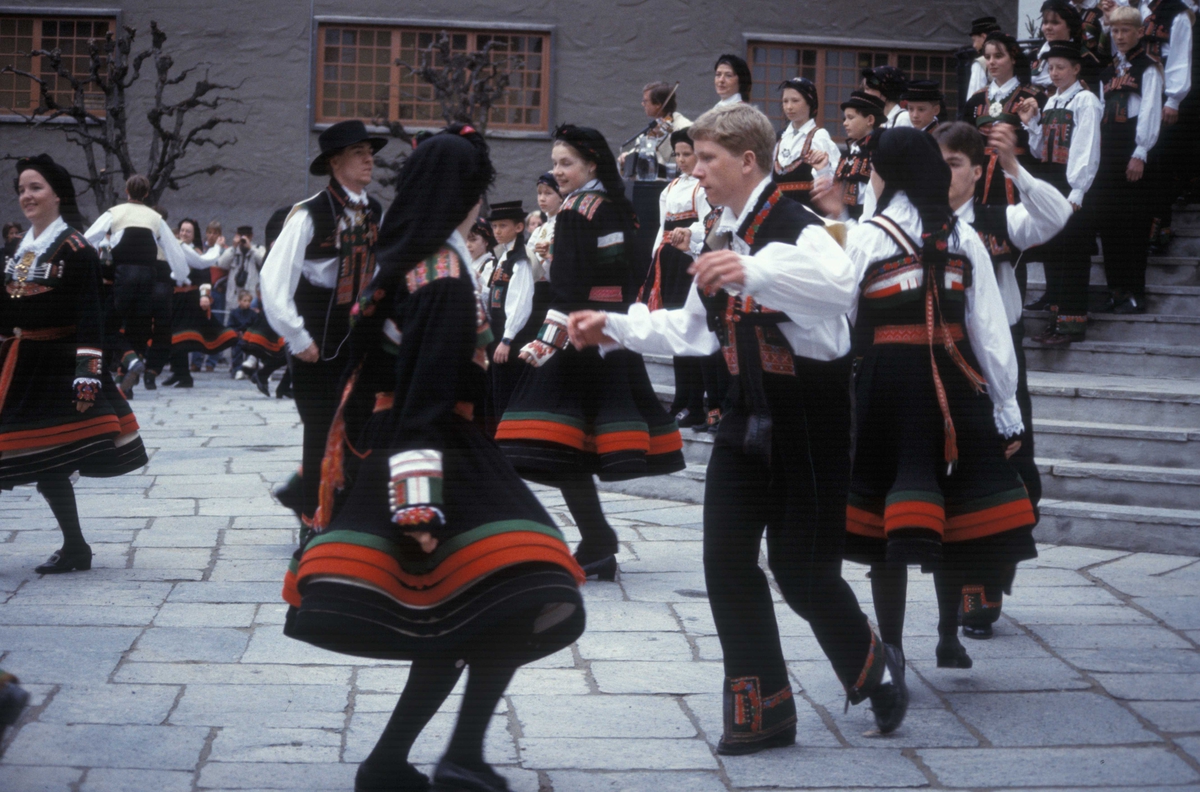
(113, 68)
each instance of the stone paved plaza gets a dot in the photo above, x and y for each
(164, 669)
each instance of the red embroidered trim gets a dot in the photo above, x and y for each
(752, 231)
(605, 294)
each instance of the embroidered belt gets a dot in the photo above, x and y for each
(10, 345)
(913, 334)
(794, 186)
(186, 289)
(384, 401)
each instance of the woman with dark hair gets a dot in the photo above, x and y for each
(1062, 22)
(930, 483)
(193, 328)
(60, 411)
(804, 151)
(437, 552)
(574, 413)
(1008, 86)
(732, 80)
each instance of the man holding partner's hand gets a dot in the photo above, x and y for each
(772, 290)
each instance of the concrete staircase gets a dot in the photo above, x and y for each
(1117, 417)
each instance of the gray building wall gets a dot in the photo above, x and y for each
(602, 54)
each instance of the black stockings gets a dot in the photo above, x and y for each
(430, 681)
(59, 493)
(599, 539)
(889, 590)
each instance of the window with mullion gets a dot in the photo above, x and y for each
(20, 36)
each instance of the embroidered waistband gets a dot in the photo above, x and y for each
(793, 186)
(912, 334)
(385, 401)
(186, 289)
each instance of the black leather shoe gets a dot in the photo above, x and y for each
(1040, 304)
(66, 561)
(131, 377)
(451, 777)
(889, 700)
(406, 779)
(951, 654)
(260, 384)
(187, 382)
(173, 379)
(1130, 305)
(149, 380)
(602, 568)
(687, 417)
(283, 393)
(1056, 339)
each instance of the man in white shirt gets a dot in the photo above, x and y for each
(312, 278)
(772, 291)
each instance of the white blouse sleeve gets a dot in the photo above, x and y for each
(822, 142)
(682, 332)
(280, 277)
(1149, 121)
(813, 277)
(518, 301)
(173, 252)
(1041, 214)
(1178, 68)
(99, 229)
(1034, 128)
(1084, 158)
(991, 338)
(978, 78)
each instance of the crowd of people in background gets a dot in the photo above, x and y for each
(439, 359)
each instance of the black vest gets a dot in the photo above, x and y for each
(1156, 27)
(323, 208)
(795, 180)
(137, 247)
(1119, 87)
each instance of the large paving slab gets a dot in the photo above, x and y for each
(165, 668)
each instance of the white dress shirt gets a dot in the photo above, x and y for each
(986, 319)
(1040, 215)
(979, 76)
(518, 299)
(791, 145)
(38, 245)
(1176, 57)
(1083, 161)
(168, 245)
(897, 117)
(1146, 106)
(543, 233)
(730, 100)
(285, 264)
(812, 281)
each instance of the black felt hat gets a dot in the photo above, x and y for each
(507, 210)
(923, 91)
(1065, 49)
(340, 136)
(984, 25)
(866, 103)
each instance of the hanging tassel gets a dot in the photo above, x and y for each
(333, 463)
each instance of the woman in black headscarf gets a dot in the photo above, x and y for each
(60, 411)
(436, 551)
(930, 483)
(576, 414)
(732, 80)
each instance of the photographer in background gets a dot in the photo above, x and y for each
(242, 261)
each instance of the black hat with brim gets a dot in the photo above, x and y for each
(865, 103)
(342, 135)
(923, 91)
(508, 210)
(1064, 49)
(984, 25)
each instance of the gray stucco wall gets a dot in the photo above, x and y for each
(602, 54)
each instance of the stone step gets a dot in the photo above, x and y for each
(1123, 485)
(1086, 441)
(1160, 298)
(1110, 357)
(1134, 528)
(1122, 527)
(1185, 245)
(1166, 270)
(1110, 398)
(1162, 329)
